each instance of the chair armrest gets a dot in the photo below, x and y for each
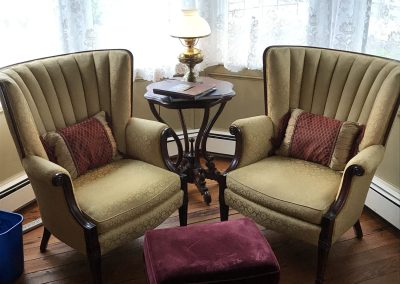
(253, 137)
(354, 188)
(369, 159)
(55, 196)
(143, 141)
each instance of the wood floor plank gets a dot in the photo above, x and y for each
(372, 270)
(356, 261)
(393, 277)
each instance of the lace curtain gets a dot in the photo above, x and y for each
(140, 26)
(33, 29)
(241, 29)
(29, 29)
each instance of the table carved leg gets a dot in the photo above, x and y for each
(188, 161)
(173, 134)
(212, 172)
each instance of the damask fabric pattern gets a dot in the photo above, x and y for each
(256, 133)
(272, 219)
(143, 140)
(293, 187)
(82, 146)
(123, 190)
(369, 159)
(136, 227)
(319, 139)
(54, 210)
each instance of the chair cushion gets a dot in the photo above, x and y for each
(83, 146)
(294, 187)
(122, 190)
(224, 252)
(319, 139)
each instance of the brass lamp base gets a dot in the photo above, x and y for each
(190, 57)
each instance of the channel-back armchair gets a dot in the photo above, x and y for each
(306, 200)
(109, 205)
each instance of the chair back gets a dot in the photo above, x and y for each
(51, 93)
(342, 85)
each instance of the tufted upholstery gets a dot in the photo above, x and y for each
(305, 200)
(121, 200)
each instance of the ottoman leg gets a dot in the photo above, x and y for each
(183, 210)
(358, 230)
(45, 239)
(93, 253)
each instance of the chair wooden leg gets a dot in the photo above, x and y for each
(358, 230)
(93, 253)
(224, 212)
(94, 258)
(45, 240)
(323, 252)
(223, 208)
(183, 210)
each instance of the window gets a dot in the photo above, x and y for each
(384, 29)
(29, 32)
(241, 29)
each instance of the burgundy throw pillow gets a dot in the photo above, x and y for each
(320, 139)
(83, 146)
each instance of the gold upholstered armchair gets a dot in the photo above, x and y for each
(290, 172)
(110, 183)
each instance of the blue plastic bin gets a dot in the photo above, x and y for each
(11, 247)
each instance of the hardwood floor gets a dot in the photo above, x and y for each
(374, 259)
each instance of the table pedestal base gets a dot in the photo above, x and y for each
(188, 160)
(196, 173)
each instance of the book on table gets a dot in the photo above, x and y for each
(177, 89)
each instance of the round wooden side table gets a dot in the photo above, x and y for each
(188, 160)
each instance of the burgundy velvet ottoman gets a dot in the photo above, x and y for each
(226, 252)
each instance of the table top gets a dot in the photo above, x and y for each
(223, 93)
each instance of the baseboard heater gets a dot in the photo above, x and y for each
(16, 193)
(384, 199)
(219, 143)
(13, 188)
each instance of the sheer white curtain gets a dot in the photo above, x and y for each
(241, 29)
(140, 26)
(33, 29)
(29, 29)
(342, 25)
(384, 29)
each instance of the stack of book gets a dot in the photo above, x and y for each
(178, 90)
